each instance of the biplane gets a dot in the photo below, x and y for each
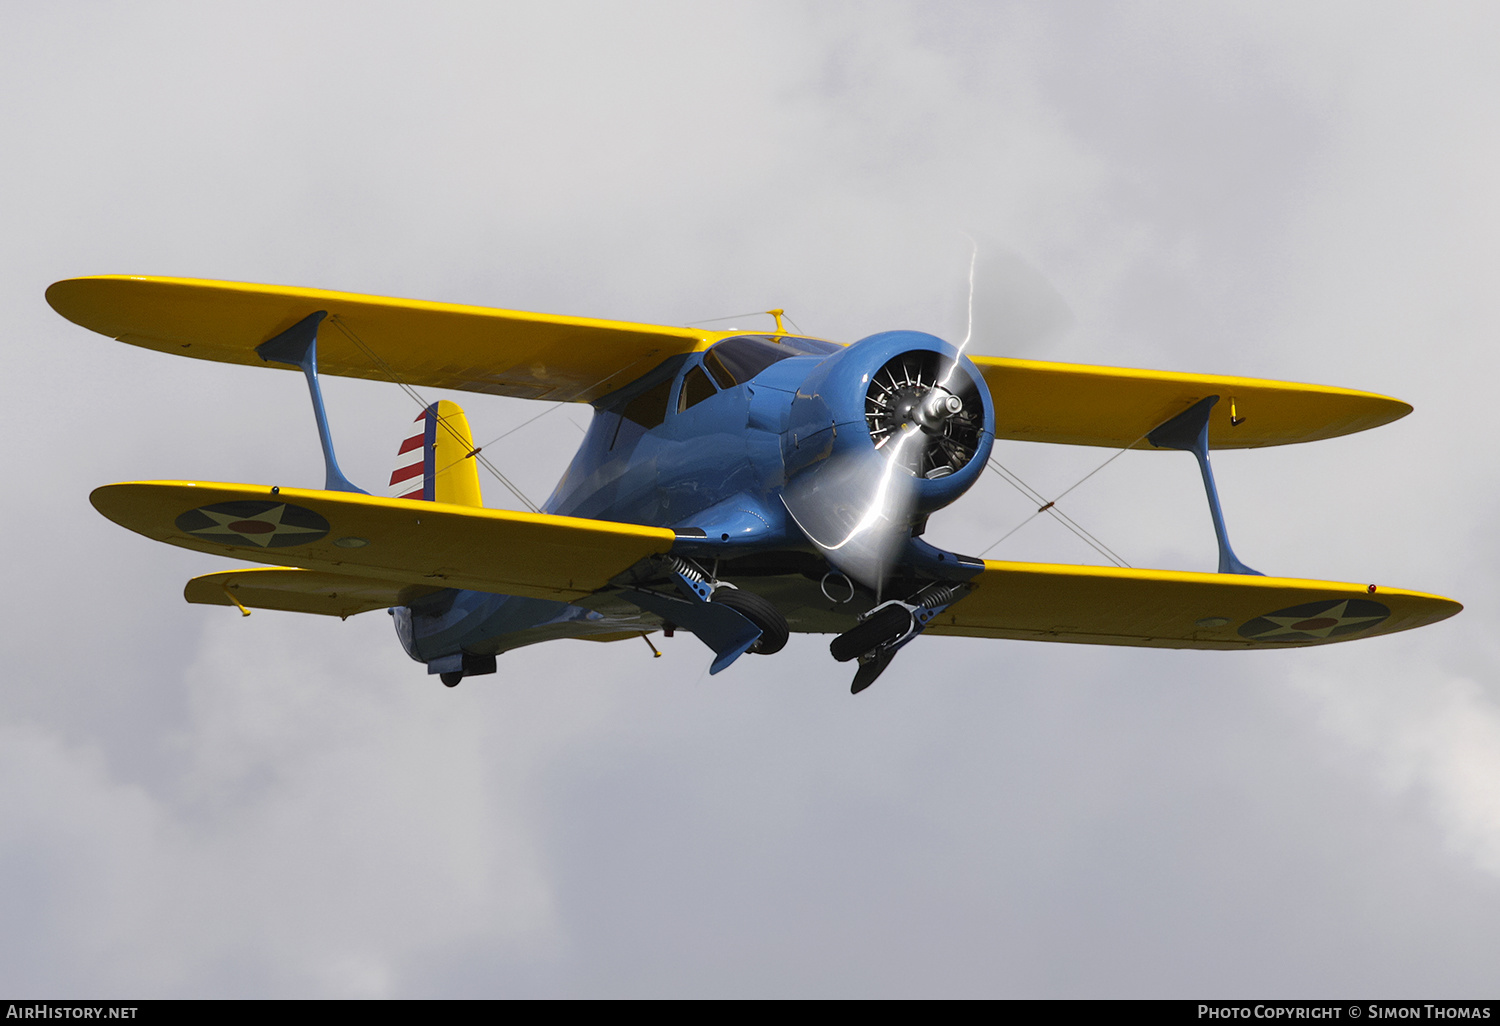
(734, 485)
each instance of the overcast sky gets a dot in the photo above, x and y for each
(197, 804)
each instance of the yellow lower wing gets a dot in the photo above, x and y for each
(1078, 404)
(301, 591)
(474, 348)
(396, 541)
(1172, 609)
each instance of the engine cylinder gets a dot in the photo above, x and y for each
(909, 396)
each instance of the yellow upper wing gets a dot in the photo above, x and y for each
(1079, 404)
(442, 345)
(1173, 609)
(393, 541)
(578, 359)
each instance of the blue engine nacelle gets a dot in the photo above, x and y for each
(867, 397)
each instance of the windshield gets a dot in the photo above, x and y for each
(737, 360)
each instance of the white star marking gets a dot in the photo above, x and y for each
(271, 517)
(1328, 621)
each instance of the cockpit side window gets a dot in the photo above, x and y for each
(650, 407)
(738, 359)
(695, 388)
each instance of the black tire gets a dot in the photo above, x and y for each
(760, 611)
(887, 625)
(450, 680)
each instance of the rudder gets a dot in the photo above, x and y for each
(437, 462)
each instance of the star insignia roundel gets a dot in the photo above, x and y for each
(266, 525)
(1316, 621)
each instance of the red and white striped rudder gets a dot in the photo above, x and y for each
(437, 461)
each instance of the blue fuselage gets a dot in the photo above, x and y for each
(702, 444)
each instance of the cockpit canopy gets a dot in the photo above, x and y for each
(729, 362)
(738, 359)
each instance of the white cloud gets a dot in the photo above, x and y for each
(1426, 736)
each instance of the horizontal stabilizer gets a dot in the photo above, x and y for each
(1077, 404)
(399, 541)
(1174, 609)
(301, 591)
(440, 345)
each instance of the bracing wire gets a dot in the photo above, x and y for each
(530, 420)
(1100, 467)
(500, 437)
(752, 313)
(731, 317)
(1050, 506)
(551, 409)
(416, 396)
(476, 450)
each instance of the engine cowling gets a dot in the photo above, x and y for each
(890, 429)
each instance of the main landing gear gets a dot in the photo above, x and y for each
(760, 611)
(729, 620)
(876, 639)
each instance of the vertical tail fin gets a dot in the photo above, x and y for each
(437, 462)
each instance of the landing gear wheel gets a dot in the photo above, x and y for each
(761, 612)
(889, 624)
(450, 680)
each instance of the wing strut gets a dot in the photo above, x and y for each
(1188, 431)
(298, 345)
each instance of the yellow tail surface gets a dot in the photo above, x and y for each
(439, 462)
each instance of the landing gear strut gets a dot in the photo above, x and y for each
(876, 639)
(729, 620)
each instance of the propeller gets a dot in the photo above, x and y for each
(928, 425)
(925, 422)
(1020, 310)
